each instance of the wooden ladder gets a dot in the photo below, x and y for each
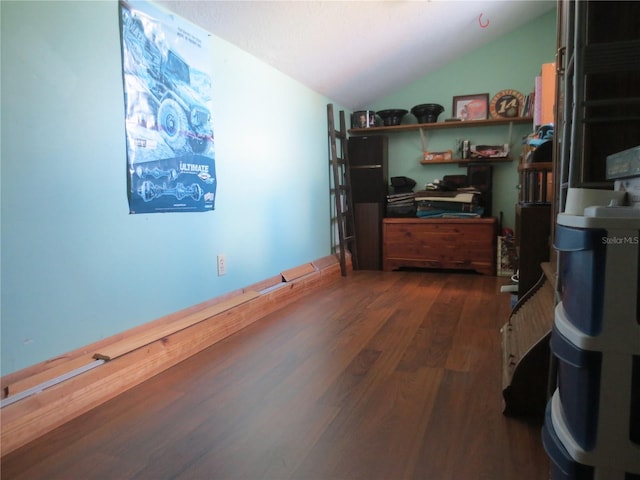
(342, 190)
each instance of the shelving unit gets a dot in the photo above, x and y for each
(422, 127)
(368, 166)
(536, 182)
(533, 222)
(525, 336)
(443, 243)
(441, 125)
(533, 225)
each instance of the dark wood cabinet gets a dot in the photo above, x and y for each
(533, 227)
(368, 168)
(368, 224)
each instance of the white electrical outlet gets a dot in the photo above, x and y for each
(222, 264)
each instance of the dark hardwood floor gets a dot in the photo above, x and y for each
(386, 376)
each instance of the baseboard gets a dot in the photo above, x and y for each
(136, 355)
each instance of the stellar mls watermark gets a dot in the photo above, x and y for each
(629, 240)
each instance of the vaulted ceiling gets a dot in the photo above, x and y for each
(355, 52)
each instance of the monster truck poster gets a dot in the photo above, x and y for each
(167, 90)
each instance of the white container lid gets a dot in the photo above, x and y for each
(580, 198)
(610, 218)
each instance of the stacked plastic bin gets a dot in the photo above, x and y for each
(592, 424)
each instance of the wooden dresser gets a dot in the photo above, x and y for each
(467, 243)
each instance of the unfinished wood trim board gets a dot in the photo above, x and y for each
(298, 272)
(137, 355)
(161, 331)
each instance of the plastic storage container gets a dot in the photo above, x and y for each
(568, 462)
(578, 387)
(563, 467)
(599, 273)
(592, 425)
(599, 386)
(582, 259)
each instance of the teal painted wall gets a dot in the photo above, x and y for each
(511, 62)
(76, 267)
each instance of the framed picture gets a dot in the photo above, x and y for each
(471, 107)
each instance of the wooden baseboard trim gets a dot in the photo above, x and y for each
(139, 354)
(129, 344)
(297, 272)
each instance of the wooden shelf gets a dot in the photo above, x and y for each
(536, 166)
(441, 125)
(467, 161)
